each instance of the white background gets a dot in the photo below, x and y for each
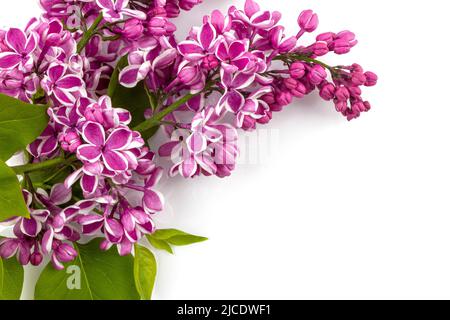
(343, 210)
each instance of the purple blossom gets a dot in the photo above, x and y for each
(20, 48)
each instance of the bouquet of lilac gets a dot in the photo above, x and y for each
(86, 86)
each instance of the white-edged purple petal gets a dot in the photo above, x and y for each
(114, 160)
(94, 134)
(119, 139)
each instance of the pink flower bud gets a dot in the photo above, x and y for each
(341, 106)
(172, 10)
(160, 26)
(36, 258)
(327, 37)
(319, 48)
(342, 94)
(296, 88)
(371, 79)
(358, 78)
(269, 98)
(65, 253)
(317, 74)
(308, 21)
(132, 29)
(297, 70)
(327, 91)
(188, 4)
(359, 107)
(189, 75)
(284, 98)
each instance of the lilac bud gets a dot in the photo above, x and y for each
(342, 94)
(327, 37)
(358, 78)
(188, 4)
(371, 79)
(36, 258)
(284, 98)
(172, 10)
(269, 98)
(359, 106)
(317, 74)
(189, 75)
(65, 253)
(308, 21)
(132, 29)
(287, 45)
(297, 70)
(160, 26)
(355, 92)
(327, 91)
(319, 48)
(341, 106)
(296, 88)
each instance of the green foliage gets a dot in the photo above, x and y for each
(20, 124)
(94, 275)
(145, 270)
(164, 239)
(11, 279)
(12, 202)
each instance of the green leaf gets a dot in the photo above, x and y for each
(94, 275)
(136, 100)
(114, 81)
(11, 279)
(160, 244)
(12, 202)
(20, 124)
(145, 270)
(177, 237)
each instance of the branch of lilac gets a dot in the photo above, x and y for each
(234, 71)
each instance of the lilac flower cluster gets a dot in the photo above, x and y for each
(232, 72)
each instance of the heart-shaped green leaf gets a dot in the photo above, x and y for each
(11, 279)
(177, 237)
(20, 124)
(94, 275)
(145, 270)
(12, 202)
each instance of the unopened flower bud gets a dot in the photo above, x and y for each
(297, 70)
(342, 94)
(308, 21)
(371, 79)
(317, 74)
(327, 91)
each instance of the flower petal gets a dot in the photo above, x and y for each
(16, 40)
(9, 60)
(119, 139)
(115, 161)
(206, 35)
(94, 134)
(152, 201)
(89, 153)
